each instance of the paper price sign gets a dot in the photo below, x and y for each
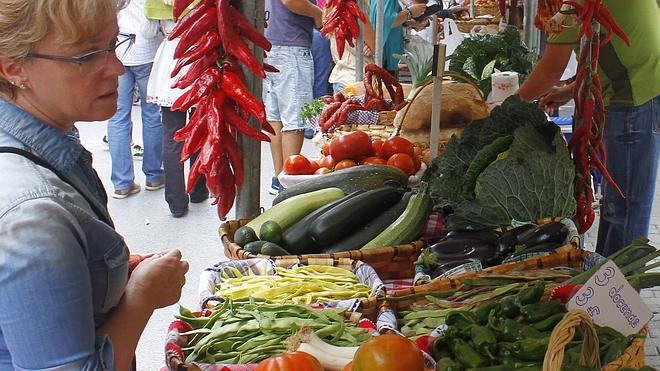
(610, 301)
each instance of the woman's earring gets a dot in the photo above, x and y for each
(22, 86)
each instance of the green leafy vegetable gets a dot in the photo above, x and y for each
(311, 109)
(478, 56)
(513, 165)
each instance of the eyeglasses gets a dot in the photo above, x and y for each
(93, 61)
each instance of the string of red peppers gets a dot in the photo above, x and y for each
(586, 143)
(212, 44)
(342, 18)
(339, 106)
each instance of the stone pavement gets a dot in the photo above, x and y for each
(651, 296)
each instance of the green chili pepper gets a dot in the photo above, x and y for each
(460, 318)
(532, 294)
(548, 323)
(482, 311)
(448, 364)
(483, 339)
(495, 323)
(514, 331)
(615, 349)
(540, 311)
(528, 349)
(607, 334)
(466, 355)
(510, 307)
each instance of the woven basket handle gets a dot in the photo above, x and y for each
(397, 129)
(563, 334)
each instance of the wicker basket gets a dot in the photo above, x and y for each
(493, 10)
(632, 357)
(566, 256)
(389, 262)
(380, 131)
(465, 26)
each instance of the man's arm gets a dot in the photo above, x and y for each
(547, 71)
(304, 7)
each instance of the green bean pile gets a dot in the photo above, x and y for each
(250, 330)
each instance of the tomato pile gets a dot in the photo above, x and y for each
(212, 44)
(356, 148)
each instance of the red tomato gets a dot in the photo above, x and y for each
(298, 361)
(388, 353)
(373, 160)
(418, 162)
(396, 145)
(322, 170)
(327, 161)
(353, 145)
(377, 146)
(297, 165)
(313, 166)
(343, 164)
(326, 148)
(403, 162)
(348, 367)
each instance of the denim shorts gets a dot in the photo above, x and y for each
(285, 92)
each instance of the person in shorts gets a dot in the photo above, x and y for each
(290, 30)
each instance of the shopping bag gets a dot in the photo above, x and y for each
(453, 37)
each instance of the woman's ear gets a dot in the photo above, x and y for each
(12, 71)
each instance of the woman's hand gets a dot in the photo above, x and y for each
(417, 9)
(156, 281)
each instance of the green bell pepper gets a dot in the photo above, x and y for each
(539, 311)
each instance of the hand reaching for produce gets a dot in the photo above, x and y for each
(157, 281)
(416, 10)
(556, 97)
(135, 259)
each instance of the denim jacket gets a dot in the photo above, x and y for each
(62, 269)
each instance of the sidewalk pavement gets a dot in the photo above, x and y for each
(651, 296)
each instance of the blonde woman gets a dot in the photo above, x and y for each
(69, 299)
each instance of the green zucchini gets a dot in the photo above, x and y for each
(369, 231)
(244, 235)
(348, 216)
(296, 240)
(357, 178)
(285, 214)
(408, 226)
(273, 249)
(254, 247)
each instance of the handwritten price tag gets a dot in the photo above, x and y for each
(610, 301)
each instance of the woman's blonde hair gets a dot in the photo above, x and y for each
(25, 22)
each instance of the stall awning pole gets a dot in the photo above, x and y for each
(248, 195)
(380, 19)
(439, 53)
(532, 34)
(359, 50)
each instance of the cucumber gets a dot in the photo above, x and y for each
(270, 231)
(357, 178)
(273, 249)
(285, 214)
(348, 216)
(254, 247)
(369, 231)
(244, 235)
(296, 239)
(408, 226)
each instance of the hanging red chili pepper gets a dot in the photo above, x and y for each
(341, 18)
(586, 144)
(213, 38)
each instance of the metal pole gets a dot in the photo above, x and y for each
(471, 8)
(434, 29)
(439, 53)
(380, 19)
(532, 34)
(359, 51)
(248, 197)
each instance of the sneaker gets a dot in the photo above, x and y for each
(105, 141)
(275, 186)
(123, 193)
(137, 151)
(154, 186)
